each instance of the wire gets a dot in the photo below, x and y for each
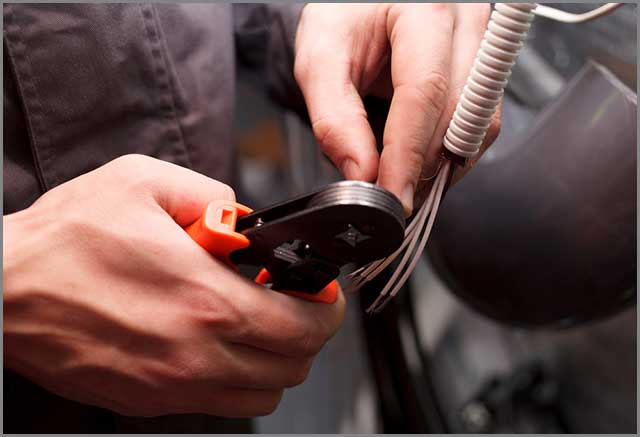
(438, 189)
(374, 269)
(424, 213)
(567, 17)
(369, 271)
(505, 35)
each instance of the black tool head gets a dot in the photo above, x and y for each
(363, 221)
(304, 242)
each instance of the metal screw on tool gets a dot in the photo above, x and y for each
(352, 236)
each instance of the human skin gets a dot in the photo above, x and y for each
(416, 55)
(108, 301)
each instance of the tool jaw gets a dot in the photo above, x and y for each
(303, 243)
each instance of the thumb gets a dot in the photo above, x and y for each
(339, 119)
(182, 193)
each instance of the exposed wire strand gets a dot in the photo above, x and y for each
(376, 267)
(505, 35)
(434, 197)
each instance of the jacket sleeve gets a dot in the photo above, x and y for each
(265, 37)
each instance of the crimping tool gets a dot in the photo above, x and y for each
(303, 243)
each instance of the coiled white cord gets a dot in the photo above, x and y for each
(502, 41)
(505, 35)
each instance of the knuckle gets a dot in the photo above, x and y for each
(430, 93)
(304, 62)
(193, 367)
(132, 161)
(325, 130)
(425, 10)
(440, 9)
(224, 317)
(133, 170)
(333, 132)
(226, 192)
(435, 90)
(496, 126)
(308, 343)
(300, 375)
(313, 54)
(482, 12)
(493, 131)
(180, 369)
(339, 311)
(270, 403)
(413, 154)
(300, 69)
(415, 151)
(242, 375)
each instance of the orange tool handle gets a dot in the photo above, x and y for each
(216, 232)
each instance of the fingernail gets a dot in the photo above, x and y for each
(407, 199)
(349, 168)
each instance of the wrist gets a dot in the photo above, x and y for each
(19, 234)
(12, 229)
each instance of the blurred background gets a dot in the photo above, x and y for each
(547, 345)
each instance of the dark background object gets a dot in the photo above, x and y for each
(407, 399)
(609, 40)
(415, 366)
(546, 234)
(524, 401)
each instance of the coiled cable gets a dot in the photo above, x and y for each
(506, 31)
(485, 85)
(505, 35)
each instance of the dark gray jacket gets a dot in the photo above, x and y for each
(84, 84)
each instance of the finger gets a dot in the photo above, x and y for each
(228, 306)
(337, 114)
(279, 323)
(420, 67)
(181, 192)
(469, 27)
(236, 403)
(494, 129)
(255, 368)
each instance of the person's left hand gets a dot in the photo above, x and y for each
(418, 55)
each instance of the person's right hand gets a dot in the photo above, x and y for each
(108, 301)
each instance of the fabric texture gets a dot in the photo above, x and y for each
(84, 84)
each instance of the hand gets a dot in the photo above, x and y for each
(108, 301)
(417, 55)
